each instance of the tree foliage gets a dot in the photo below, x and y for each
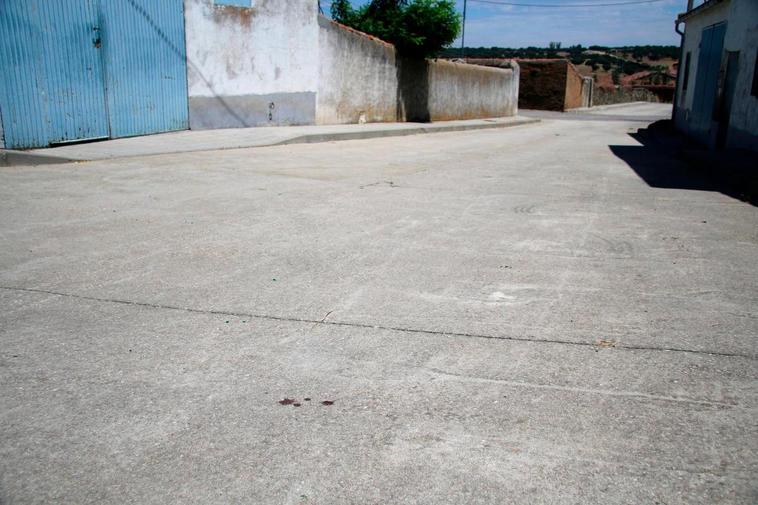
(417, 28)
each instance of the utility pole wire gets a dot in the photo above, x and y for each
(560, 6)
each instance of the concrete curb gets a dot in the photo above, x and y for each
(21, 158)
(10, 158)
(605, 107)
(371, 134)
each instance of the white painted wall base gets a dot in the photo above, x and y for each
(252, 66)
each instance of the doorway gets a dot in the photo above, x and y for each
(79, 70)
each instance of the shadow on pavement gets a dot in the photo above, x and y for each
(666, 159)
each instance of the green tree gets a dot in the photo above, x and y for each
(417, 28)
(343, 12)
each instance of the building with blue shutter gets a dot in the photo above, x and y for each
(77, 70)
(716, 101)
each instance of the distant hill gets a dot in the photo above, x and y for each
(576, 54)
(606, 64)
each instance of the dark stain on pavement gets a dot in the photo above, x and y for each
(295, 403)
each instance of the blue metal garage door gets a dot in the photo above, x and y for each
(85, 69)
(706, 81)
(51, 87)
(146, 66)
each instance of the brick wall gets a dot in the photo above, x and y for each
(543, 84)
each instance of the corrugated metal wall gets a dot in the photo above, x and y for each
(82, 69)
(146, 66)
(52, 73)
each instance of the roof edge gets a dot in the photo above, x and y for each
(699, 9)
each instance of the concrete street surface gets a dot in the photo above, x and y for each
(554, 313)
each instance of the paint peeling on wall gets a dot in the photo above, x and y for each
(238, 58)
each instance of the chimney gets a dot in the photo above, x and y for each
(689, 5)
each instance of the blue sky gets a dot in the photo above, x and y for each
(511, 26)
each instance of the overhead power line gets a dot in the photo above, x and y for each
(561, 6)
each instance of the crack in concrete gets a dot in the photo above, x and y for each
(349, 324)
(572, 389)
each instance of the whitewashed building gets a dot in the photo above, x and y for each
(717, 90)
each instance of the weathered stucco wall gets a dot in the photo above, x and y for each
(463, 91)
(573, 95)
(357, 77)
(361, 79)
(440, 90)
(588, 91)
(742, 35)
(693, 33)
(252, 66)
(578, 89)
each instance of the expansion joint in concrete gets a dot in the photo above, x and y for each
(598, 344)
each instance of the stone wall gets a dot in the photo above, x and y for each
(604, 96)
(251, 66)
(543, 84)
